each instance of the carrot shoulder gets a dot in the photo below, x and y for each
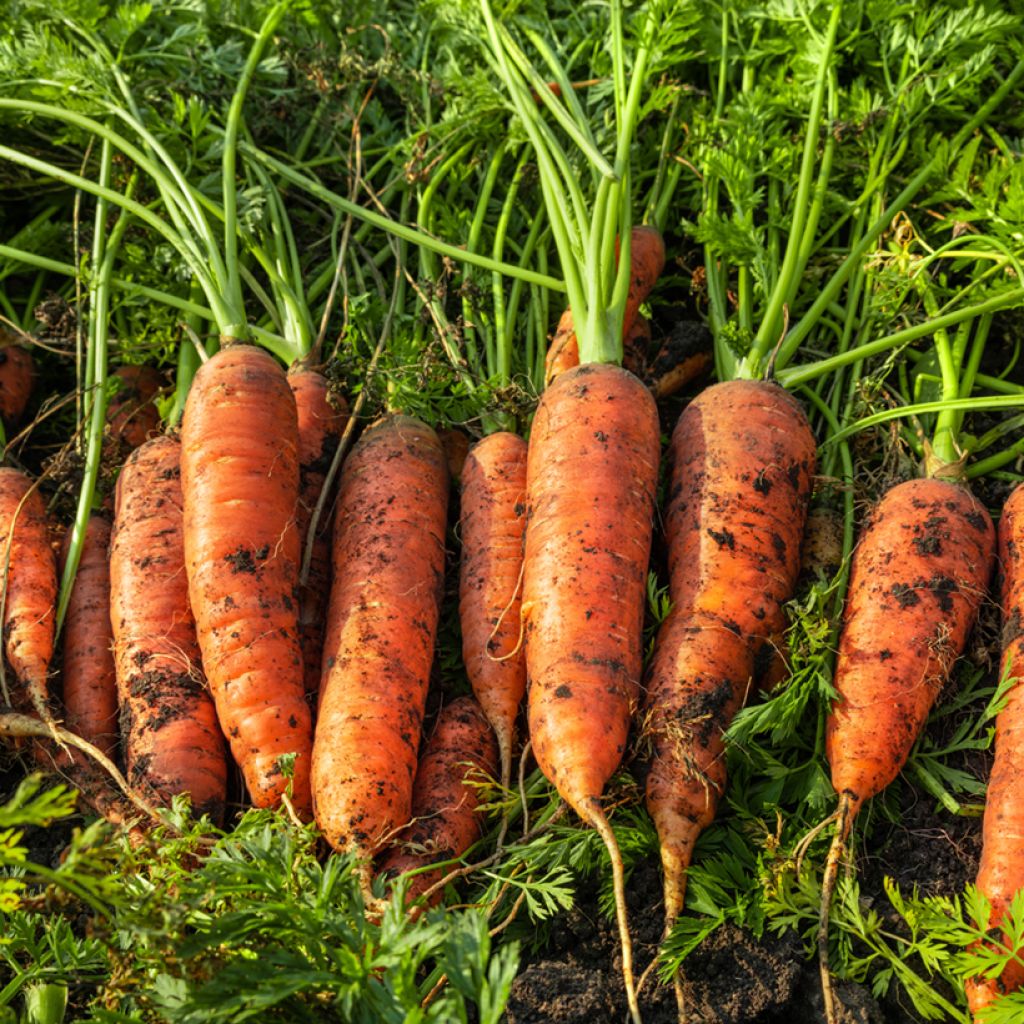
(493, 522)
(388, 558)
(172, 741)
(240, 484)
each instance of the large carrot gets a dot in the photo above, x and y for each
(87, 673)
(591, 475)
(743, 464)
(647, 260)
(172, 741)
(321, 421)
(919, 574)
(445, 823)
(16, 372)
(30, 591)
(389, 535)
(240, 483)
(493, 523)
(1001, 871)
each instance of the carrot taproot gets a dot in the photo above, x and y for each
(683, 357)
(592, 469)
(130, 412)
(240, 484)
(1001, 871)
(17, 370)
(743, 465)
(647, 260)
(30, 592)
(493, 523)
(445, 822)
(172, 741)
(388, 561)
(917, 579)
(456, 444)
(87, 673)
(322, 417)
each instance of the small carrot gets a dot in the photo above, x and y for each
(493, 523)
(456, 444)
(240, 484)
(917, 579)
(683, 357)
(130, 412)
(88, 675)
(17, 370)
(321, 419)
(388, 561)
(30, 593)
(445, 821)
(1001, 871)
(647, 260)
(172, 741)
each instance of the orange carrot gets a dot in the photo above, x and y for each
(647, 260)
(456, 444)
(16, 373)
(389, 536)
(1001, 871)
(322, 417)
(30, 597)
(89, 680)
(240, 482)
(684, 356)
(918, 576)
(591, 475)
(743, 462)
(493, 523)
(172, 741)
(130, 412)
(445, 821)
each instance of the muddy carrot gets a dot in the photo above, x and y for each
(130, 412)
(16, 373)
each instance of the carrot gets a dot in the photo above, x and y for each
(172, 741)
(445, 822)
(917, 579)
(89, 679)
(16, 372)
(591, 475)
(647, 260)
(493, 523)
(388, 560)
(240, 483)
(456, 445)
(30, 595)
(1001, 871)
(321, 419)
(743, 463)
(130, 412)
(634, 346)
(683, 357)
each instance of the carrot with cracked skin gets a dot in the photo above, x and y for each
(647, 260)
(918, 576)
(87, 673)
(445, 821)
(240, 482)
(172, 740)
(743, 465)
(388, 560)
(30, 594)
(492, 524)
(1001, 871)
(131, 412)
(322, 417)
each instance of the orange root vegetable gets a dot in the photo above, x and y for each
(647, 260)
(172, 741)
(445, 822)
(743, 465)
(30, 600)
(16, 373)
(322, 418)
(130, 412)
(684, 356)
(1001, 871)
(490, 584)
(591, 477)
(918, 577)
(89, 679)
(634, 346)
(389, 539)
(240, 482)
(456, 444)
